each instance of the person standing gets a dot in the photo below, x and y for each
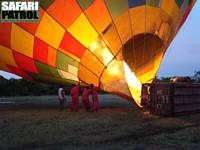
(61, 97)
(95, 100)
(85, 98)
(75, 97)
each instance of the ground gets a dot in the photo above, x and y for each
(36, 123)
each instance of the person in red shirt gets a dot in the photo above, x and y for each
(75, 97)
(85, 98)
(95, 100)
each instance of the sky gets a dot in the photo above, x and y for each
(183, 55)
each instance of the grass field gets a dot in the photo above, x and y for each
(36, 123)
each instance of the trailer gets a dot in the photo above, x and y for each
(170, 99)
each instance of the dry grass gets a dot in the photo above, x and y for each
(36, 123)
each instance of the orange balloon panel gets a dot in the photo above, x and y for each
(118, 42)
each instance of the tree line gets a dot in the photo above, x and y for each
(23, 87)
(195, 78)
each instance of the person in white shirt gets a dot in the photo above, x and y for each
(61, 97)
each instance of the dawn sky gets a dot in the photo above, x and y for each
(183, 56)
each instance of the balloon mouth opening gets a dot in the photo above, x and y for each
(137, 52)
(140, 49)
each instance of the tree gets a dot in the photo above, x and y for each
(197, 76)
(163, 79)
(24, 87)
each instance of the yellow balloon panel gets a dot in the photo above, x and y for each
(173, 11)
(82, 30)
(101, 51)
(138, 19)
(7, 56)
(22, 41)
(50, 31)
(91, 62)
(87, 76)
(123, 25)
(112, 39)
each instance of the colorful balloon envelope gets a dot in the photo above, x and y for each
(119, 43)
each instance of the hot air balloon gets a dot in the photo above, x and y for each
(118, 42)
